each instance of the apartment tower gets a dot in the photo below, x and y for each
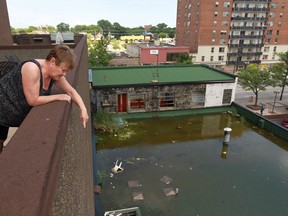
(229, 34)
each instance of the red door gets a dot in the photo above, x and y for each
(122, 103)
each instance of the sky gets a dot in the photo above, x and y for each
(128, 13)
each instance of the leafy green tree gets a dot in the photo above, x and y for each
(162, 27)
(63, 27)
(252, 78)
(31, 29)
(162, 35)
(184, 58)
(280, 72)
(50, 29)
(98, 55)
(118, 30)
(105, 25)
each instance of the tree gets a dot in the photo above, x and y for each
(118, 30)
(252, 78)
(280, 72)
(63, 27)
(105, 25)
(31, 29)
(184, 58)
(98, 55)
(162, 35)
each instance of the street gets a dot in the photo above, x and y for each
(267, 96)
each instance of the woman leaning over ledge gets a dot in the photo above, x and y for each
(29, 84)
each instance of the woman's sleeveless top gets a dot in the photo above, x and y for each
(13, 105)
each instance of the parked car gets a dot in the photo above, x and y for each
(284, 122)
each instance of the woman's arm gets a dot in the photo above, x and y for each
(63, 84)
(31, 86)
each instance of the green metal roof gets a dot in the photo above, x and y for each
(143, 75)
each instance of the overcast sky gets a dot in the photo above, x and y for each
(128, 13)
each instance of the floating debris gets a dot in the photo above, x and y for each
(97, 189)
(166, 179)
(117, 168)
(170, 191)
(136, 196)
(133, 184)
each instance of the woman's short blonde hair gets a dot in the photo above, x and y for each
(62, 54)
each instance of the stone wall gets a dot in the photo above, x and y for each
(182, 97)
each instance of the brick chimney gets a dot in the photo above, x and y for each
(5, 35)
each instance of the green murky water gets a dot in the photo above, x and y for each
(252, 179)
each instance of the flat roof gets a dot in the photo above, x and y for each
(168, 74)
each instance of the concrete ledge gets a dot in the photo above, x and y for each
(33, 165)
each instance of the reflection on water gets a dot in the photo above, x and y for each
(247, 177)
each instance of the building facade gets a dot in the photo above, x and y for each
(230, 34)
(160, 88)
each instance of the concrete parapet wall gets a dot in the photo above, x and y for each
(46, 169)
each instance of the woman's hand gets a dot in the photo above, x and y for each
(84, 117)
(64, 97)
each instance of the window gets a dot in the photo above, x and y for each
(226, 4)
(211, 58)
(266, 49)
(274, 49)
(277, 32)
(276, 40)
(198, 95)
(221, 49)
(137, 101)
(268, 40)
(216, 13)
(214, 32)
(202, 58)
(222, 41)
(283, 5)
(213, 41)
(212, 49)
(281, 14)
(224, 23)
(215, 23)
(270, 23)
(105, 100)
(220, 58)
(269, 32)
(223, 32)
(279, 23)
(225, 14)
(272, 14)
(274, 5)
(265, 57)
(167, 99)
(216, 4)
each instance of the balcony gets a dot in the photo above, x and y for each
(243, 62)
(248, 27)
(46, 168)
(267, 1)
(253, 9)
(247, 36)
(246, 45)
(239, 18)
(244, 54)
